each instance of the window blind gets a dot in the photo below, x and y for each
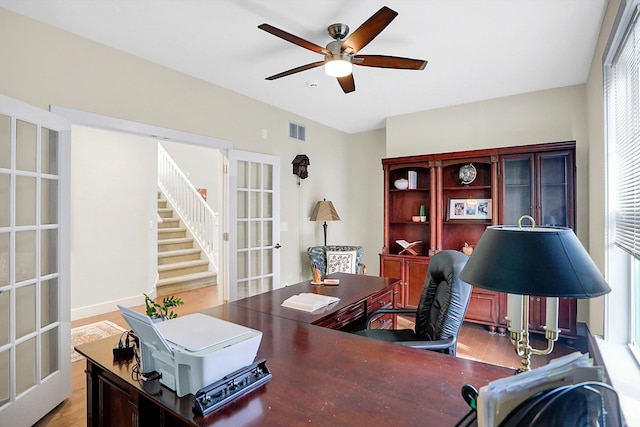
(623, 115)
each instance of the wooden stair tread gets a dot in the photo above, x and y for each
(168, 223)
(184, 264)
(178, 252)
(186, 278)
(175, 240)
(171, 229)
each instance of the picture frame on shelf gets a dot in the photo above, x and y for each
(479, 209)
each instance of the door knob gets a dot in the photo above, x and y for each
(277, 246)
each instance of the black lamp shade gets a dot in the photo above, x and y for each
(539, 261)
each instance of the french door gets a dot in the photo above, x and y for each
(254, 215)
(35, 360)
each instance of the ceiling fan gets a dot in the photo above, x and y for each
(340, 55)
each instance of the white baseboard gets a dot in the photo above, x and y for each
(107, 307)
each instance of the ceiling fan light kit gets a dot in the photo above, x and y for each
(340, 56)
(337, 63)
(338, 67)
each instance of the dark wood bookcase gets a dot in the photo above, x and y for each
(400, 206)
(541, 183)
(536, 180)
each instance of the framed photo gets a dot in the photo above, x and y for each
(469, 209)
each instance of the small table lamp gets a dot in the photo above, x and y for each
(540, 261)
(324, 211)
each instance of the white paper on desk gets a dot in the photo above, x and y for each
(497, 399)
(309, 302)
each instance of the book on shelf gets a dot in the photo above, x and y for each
(309, 302)
(408, 247)
(406, 244)
(413, 180)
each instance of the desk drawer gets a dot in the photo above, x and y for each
(376, 302)
(343, 317)
(382, 300)
(382, 321)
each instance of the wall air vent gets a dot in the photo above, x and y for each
(297, 131)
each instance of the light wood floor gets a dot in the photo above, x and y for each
(474, 342)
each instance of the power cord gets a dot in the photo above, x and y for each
(126, 346)
(149, 381)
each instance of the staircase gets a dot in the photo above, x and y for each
(180, 264)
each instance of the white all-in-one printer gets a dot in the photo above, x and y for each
(192, 351)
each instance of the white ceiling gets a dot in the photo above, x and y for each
(477, 49)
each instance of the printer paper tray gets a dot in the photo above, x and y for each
(231, 387)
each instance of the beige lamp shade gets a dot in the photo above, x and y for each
(324, 211)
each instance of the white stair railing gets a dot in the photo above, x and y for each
(193, 210)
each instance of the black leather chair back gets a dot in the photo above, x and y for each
(444, 298)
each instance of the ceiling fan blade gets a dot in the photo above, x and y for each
(383, 61)
(369, 30)
(296, 70)
(293, 39)
(347, 83)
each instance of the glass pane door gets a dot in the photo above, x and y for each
(518, 189)
(255, 205)
(34, 330)
(554, 190)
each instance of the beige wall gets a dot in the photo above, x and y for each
(366, 202)
(531, 118)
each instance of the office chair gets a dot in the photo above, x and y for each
(440, 312)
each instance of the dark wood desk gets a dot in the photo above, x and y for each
(320, 377)
(359, 296)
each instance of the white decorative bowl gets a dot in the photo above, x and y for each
(415, 218)
(401, 184)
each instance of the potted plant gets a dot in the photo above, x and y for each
(423, 214)
(162, 311)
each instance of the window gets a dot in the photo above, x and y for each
(622, 109)
(635, 306)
